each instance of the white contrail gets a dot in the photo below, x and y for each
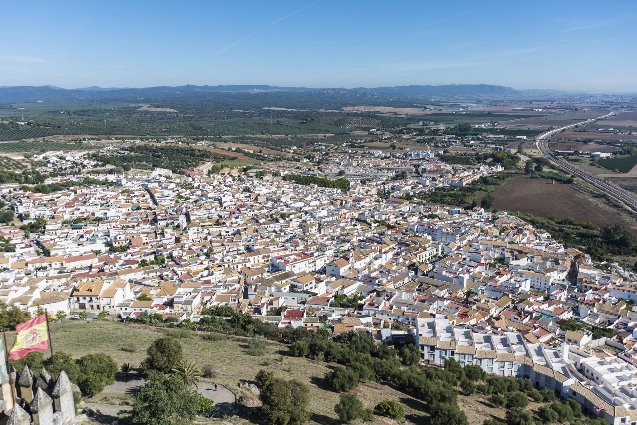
(270, 25)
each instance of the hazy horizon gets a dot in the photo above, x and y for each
(581, 46)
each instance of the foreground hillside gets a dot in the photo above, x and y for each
(230, 358)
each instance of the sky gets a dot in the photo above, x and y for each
(525, 44)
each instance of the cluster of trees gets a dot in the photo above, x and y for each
(6, 245)
(172, 157)
(464, 196)
(57, 187)
(623, 163)
(91, 372)
(169, 395)
(35, 226)
(361, 359)
(618, 239)
(10, 317)
(507, 159)
(342, 300)
(341, 183)
(6, 213)
(461, 129)
(576, 325)
(23, 177)
(599, 243)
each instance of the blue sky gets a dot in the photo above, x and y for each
(572, 45)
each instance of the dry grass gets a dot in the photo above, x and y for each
(127, 343)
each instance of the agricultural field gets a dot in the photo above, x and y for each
(11, 164)
(521, 194)
(622, 119)
(42, 146)
(593, 134)
(552, 119)
(568, 145)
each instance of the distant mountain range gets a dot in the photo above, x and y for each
(23, 94)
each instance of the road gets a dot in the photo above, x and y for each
(607, 187)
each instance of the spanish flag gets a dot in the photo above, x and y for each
(30, 336)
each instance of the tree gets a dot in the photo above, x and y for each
(61, 361)
(60, 315)
(165, 400)
(34, 360)
(497, 399)
(163, 354)
(528, 166)
(299, 349)
(474, 372)
(618, 239)
(188, 372)
(516, 399)
(96, 372)
(144, 297)
(7, 216)
(447, 414)
(518, 417)
(263, 378)
(390, 408)
(350, 408)
(343, 379)
(486, 202)
(547, 415)
(467, 386)
(284, 402)
(83, 315)
(10, 317)
(409, 355)
(463, 128)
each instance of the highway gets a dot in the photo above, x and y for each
(609, 188)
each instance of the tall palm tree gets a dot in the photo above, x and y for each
(188, 372)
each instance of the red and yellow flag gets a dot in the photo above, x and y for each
(31, 336)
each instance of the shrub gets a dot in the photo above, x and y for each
(163, 354)
(516, 399)
(518, 417)
(96, 372)
(350, 408)
(284, 402)
(447, 414)
(547, 415)
(179, 333)
(208, 371)
(468, 387)
(299, 349)
(497, 400)
(474, 373)
(59, 362)
(165, 399)
(343, 379)
(256, 347)
(390, 408)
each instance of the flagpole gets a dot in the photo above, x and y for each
(8, 366)
(48, 331)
